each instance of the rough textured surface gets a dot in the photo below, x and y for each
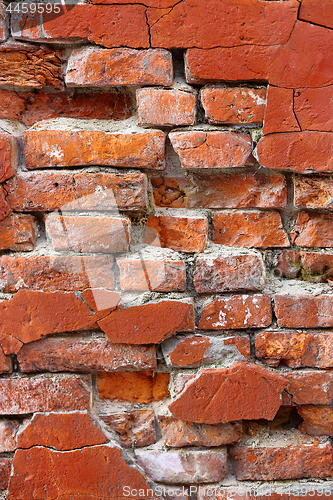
(318, 420)
(18, 233)
(314, 230)
(136, 428)
(309, 388)
(313, 192)
(243, 391)
(165, 107)
(304, 311)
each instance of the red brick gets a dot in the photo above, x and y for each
(304, 152)
(30, 67)
(88, 234)
(313, 191)
(101, 301)
(289, 264)
(35, 191)
(77, 355)
(234, 105)
(136, 428)
(318, 420)
(4, 207)
(8, 431)
(193, 24)
(216, 274)
(5, 361)
(279, 114)
(189, 467)
(249, 229)
(28, 395)
(12, 105)
(87, 473)
(281, 66)
(154, 275)
(317, 12)
(30, 315)
(68, 273)
(319, 265)
(197, 350)
(295, 349)
(200, 149)
(111, 27)
(95, 67)
(221, 191)
(314, 107)
(157, 4)
(238, 311)
(8, 155)
(304, 311)
(165, 107)
(176, 433)
(314, 230)
(252, 392)
(184, 234)
(18, 233)
(141, 387)
(62, 431)
(282, 462)
(5, 471)
(309, 388)
(56, 148)
(149, 323)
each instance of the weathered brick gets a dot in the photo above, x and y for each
(59, 148)
(304, 311)
(28, 395)
(88, 234)
(223, 149)
(309, 388)
(62, 431)
(304, 152)
(285, 461)
(295, 349)
(30, 315)
(155, 275)
(281, 66)
(313, 191)
(279, 113)
(4, 23)
(136, 428)
(95, 67)
(4, 207)
(197, 350)
(183, 234)
(189, 467)
(165, 107)
(234, 105)
(6, 365)
(317, 12)
(12, 105)
(148, 323)
(8, 431)
(313, 230)
(18, 233)
(229, 24)
(116, 26)
(289, 264)
(5, 472)
(177, 433)
(221, 191)
(77, 355)
(8, 156)
(252, 392)
(216, 274)
(317, 420)
(249, 229)
(314, 107)
(35, 191)
(316, 265)
(51, 273)
(28, 66)
(141, 387)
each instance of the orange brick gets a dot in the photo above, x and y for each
(184, 234)
(8, 156)
(18, 233)
(165, 107)
(304, 311)
(314, 230)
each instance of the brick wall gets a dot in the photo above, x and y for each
(166, 264)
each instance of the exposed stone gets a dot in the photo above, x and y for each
(187, 467)
(238, 311)
(200, 149)
(76, 355)
(178, 434)
(136, 428)
(148, 323)
(64, 148)
(243, 392)
(141, 387)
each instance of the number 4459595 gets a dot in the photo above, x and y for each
(32, 8)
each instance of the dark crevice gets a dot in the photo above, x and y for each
(315, 24)
(295, 115)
